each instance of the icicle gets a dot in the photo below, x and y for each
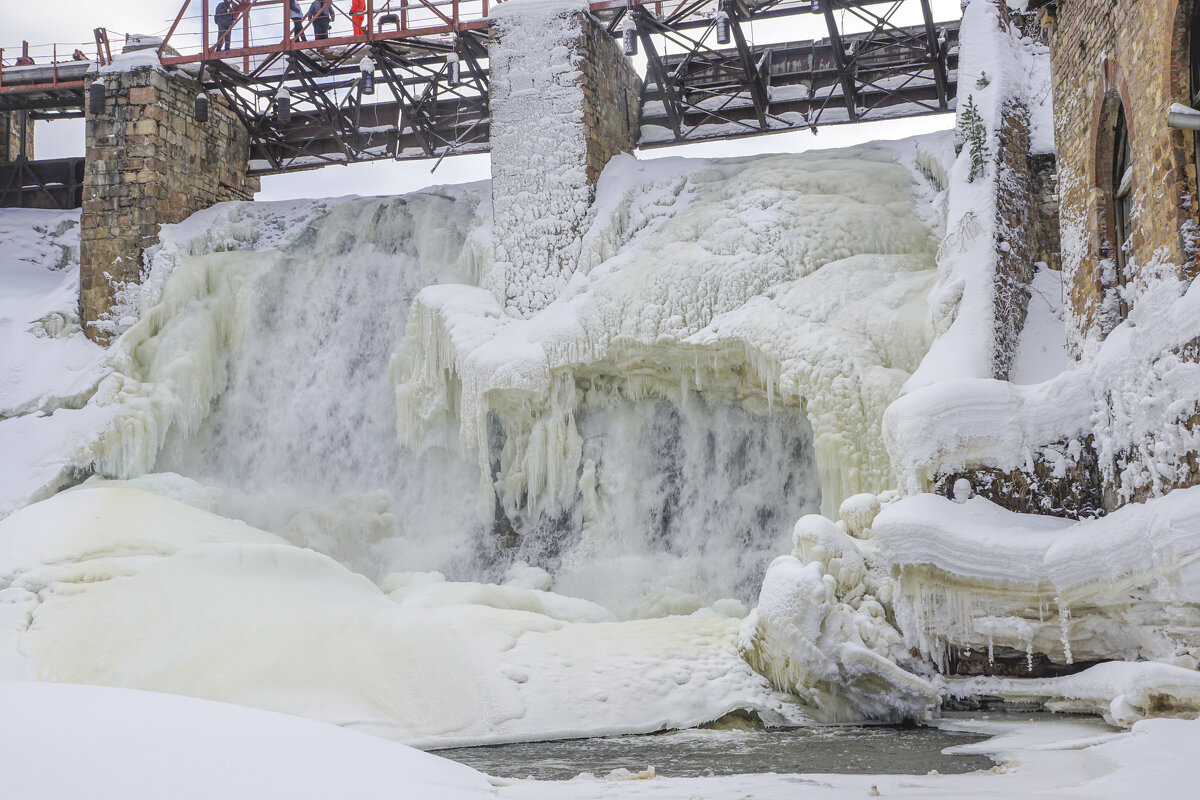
(991, 651)
(1064, 618)
(1029, 656)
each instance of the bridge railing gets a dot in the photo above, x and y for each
(264, 27)
(51, 65)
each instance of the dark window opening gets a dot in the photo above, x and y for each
(1122, 195)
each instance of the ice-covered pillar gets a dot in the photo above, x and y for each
(149, 162)
(564, 100)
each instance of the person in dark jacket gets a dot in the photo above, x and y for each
(321, 13)
(297, 17)
(223, 16)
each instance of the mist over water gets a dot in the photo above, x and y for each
(684, 502)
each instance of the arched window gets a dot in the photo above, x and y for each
(1122, 201)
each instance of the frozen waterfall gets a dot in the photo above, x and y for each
(716, 368)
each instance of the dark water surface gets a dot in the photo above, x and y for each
(698, 753)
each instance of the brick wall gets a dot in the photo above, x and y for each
(149, 163)
(10, 138)
(1137, 51)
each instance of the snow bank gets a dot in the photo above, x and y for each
(48, 368)
(1121, 692)
(973, 576)
(64, 741)
(1133, 393)
(111, 585)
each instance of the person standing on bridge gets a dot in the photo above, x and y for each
(223, 16)
(358, 15)
(321, 14)
(297, 17)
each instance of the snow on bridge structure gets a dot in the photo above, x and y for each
(548, 86)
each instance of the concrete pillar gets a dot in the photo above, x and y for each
(10, 137)
(564, 101)
(149, 163)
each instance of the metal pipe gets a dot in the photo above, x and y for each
(1184, 118)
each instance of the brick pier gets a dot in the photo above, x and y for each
(149, 163)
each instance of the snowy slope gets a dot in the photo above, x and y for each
(112, 585)
(62, 741)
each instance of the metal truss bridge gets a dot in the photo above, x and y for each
(714, 69)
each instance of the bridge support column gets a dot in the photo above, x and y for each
(563, 101)
(149, 163)
(10, 137)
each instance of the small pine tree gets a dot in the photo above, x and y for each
(974, 137)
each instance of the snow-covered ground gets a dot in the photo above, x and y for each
(64, 741)
(114, 585)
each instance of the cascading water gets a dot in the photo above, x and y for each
(680, 503)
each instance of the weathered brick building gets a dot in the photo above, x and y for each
(1127, 180)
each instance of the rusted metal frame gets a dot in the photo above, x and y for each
(171, 31)
(23, 165)
(681, 12)
(330, 113)
(103, 48)
(670, 98)
(695, 48)
(898, 93)
(451, 20)
(40, 88)
(714, 113)
(408, 108)
(613, 28)
(879, 24)
(399, 93)
(754, 78)
(839, 59)
(935, 58)
(250, 117)
(476, 69)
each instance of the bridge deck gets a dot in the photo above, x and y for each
(430, 69)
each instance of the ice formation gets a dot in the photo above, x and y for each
(748, 281)
(539, 179)
(820, 633)
(975, 576)
(112, 585)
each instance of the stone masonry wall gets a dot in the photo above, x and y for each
(1137, 51)
(1014, 262)
(149, 163)
(563, 101)
(10, 138)
(611, 91)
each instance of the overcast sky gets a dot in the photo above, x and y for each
(69, 23)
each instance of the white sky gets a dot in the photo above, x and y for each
(70, 23)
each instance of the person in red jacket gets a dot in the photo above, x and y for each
(358, 14)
